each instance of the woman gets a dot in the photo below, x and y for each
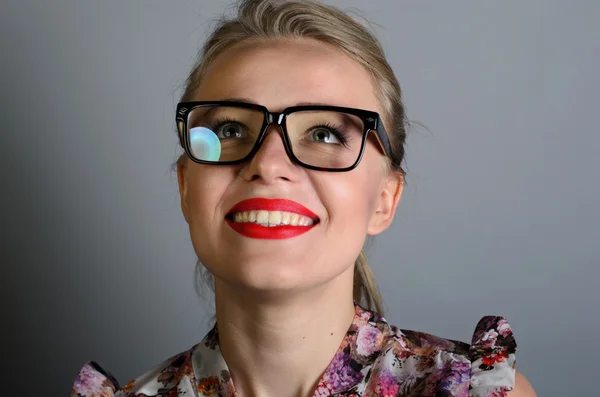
(293, 130)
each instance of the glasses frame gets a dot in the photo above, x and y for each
(371, 121)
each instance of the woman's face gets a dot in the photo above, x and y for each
(349, 205)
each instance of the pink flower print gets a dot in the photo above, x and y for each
(387, 384)
(89, 383)
(229, 388)
(323, 390)
(361, 317)
(504, 328)
(489, 338)
(500, 392)
(368, 340)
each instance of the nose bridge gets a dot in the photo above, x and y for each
(271, 161)
(270, 142)
(269, 149)
(272, 116)
(277, 119)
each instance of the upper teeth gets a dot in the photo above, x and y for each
(272, 218)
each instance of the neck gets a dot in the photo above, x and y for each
(280, 346)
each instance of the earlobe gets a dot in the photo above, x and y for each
(388, 202)
(182, 190)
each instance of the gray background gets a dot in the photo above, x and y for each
(500, 215)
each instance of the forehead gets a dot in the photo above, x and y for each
(278, 74)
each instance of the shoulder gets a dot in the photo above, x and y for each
(93, 380)
(491, 340)
(423, 343)
(486, 366)
(522, 387)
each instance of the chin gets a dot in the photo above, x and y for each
(274, 277)
(267, 276)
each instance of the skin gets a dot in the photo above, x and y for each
(285, 305)
(522, 387)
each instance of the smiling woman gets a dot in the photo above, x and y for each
(293, 133)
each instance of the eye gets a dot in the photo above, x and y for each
(230, 130)
(324, 135)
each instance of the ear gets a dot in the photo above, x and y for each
(181, 169)
(391, 191)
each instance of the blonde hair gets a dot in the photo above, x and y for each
(297, 19)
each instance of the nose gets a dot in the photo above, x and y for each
(271, 162)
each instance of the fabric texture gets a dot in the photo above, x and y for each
(374, 359)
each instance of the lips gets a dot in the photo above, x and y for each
(254, 230)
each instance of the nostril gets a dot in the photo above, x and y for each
(254, 177)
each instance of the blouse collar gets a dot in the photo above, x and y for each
(361, 344)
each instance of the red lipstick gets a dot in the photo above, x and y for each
(255, 230)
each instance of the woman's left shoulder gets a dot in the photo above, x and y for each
(522, 387)
(487, 366)
(493, 363)
(492, 355)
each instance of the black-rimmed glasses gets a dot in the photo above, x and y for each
(325, 138)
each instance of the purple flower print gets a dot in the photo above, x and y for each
(453, 374)
(88, 381)
(340, 374)
(368, 340)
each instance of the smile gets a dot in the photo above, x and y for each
(272, 218)
(263, 218)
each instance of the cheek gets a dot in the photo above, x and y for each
(206, 188)
(351, 200)
(357, 193)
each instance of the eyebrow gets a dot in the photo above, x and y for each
(347, 118)
(247, 100)
(239, 99)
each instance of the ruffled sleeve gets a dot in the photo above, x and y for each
(492, 355)
(93, 381)
(173, 375)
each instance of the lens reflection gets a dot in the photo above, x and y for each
(205, 144)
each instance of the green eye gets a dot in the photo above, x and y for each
(324, 135)
(231, 131)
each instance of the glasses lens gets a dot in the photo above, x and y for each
(223, 133)
(325, 139)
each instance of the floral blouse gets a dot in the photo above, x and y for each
(375, 359)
